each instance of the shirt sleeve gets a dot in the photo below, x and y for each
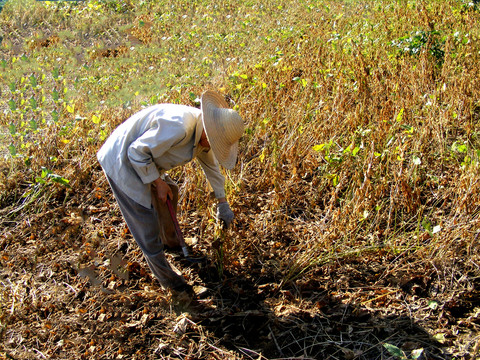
(150, 145)
(212, 171)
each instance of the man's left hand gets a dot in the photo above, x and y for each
(224, 213)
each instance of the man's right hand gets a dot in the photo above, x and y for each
(163, 190)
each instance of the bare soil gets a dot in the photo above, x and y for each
(78, 287)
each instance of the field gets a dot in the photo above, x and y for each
(356, 194)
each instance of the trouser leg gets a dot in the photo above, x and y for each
(145, 228)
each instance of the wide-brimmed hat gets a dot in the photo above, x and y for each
(223, 126)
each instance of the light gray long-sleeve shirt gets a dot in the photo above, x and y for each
(155, 140)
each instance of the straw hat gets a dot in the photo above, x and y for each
(223, 126)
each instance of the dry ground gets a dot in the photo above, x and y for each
(77, 287)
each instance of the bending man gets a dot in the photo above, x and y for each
(137, 154)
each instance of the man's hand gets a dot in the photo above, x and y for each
(163, 190)
(224, 213)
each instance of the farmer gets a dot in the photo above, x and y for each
(137, 154)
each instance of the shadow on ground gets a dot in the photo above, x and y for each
(256, 319)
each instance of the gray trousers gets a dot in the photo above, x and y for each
(147, 229)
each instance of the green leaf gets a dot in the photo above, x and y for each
(400, 115)
(12, 128)
(59, 179)
(49, 175)
(33, 103)
(459, 147)
(55, 95)
(12, 86)
(96, 119)
(334, 178)
(33, 125)
(440, 337)
(355, 151)
(417, 353)
(408, 129)
(33, 81)
(55, 73)
(12, 150)
(262, 155)
(193, 97)
(395, 351)
(427, 225)
(55, 116)
(12, 105)
(103, 135)
(45, 172)
(432, 304)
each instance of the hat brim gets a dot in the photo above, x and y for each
(225, 153)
